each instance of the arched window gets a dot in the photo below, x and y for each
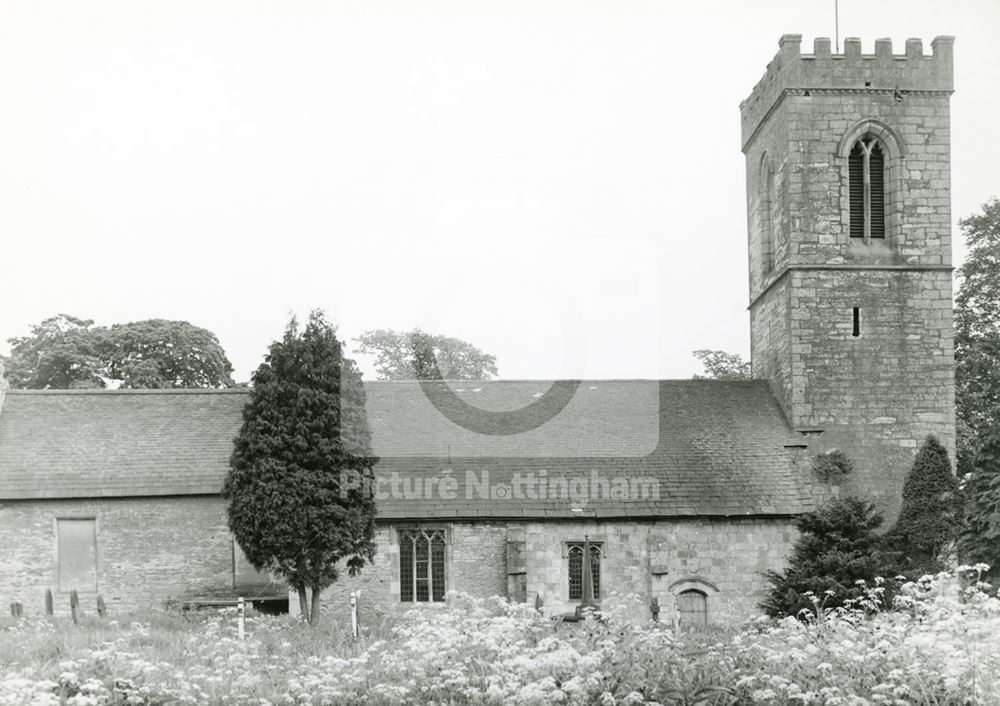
(421, 565)
(576, 570)
(866, 182)
(692, 609)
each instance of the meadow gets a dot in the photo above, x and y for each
(939, 645)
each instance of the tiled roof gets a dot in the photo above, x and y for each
(618, 448)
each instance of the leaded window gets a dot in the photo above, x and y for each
(421, 565)
(866, 187)
(575, 550)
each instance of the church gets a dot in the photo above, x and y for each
(685, 491)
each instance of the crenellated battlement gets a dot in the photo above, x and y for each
(792, 70)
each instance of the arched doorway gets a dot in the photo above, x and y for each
(692, 609)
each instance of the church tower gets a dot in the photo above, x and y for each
(849, 217)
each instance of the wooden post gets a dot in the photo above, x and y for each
(654, 608)
(538, 602)
(48, 602)
(355, 627)
(102, 609)
(16, 609)
(74, 606)
(239, 616)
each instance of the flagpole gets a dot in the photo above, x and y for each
(836, 23)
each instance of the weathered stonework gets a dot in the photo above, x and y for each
(143, 562)
(878, 394)
(149, 550)
(723, 558)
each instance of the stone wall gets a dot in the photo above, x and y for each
(725, 559)
(878, 394)
(151, 551)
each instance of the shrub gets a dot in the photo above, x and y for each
(979, 539)
(832, 466)
(838, 547)
(929, 518)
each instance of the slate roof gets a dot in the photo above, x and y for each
(709, 448)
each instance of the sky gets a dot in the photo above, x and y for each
(559, 183)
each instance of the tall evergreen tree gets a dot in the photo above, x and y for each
(931, 513)
(977, 333)
(838, 545)
(300, 479)
(979, 540)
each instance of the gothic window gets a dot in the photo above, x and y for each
(692, 609)
(866, 181)
(421, 565)
(575, 551)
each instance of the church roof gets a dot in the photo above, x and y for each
(613, 449)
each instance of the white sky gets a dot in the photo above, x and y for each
(560, 183)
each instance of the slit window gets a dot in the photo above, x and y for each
(866, 187)
(767, 218)
(575, 550)
(421, 566)
(856, 325)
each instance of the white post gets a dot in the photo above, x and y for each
(239, 616)
(354, 613)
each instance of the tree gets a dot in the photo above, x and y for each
(930, 516)
(413, 355)
(979, 540)
(977, 333)
(65, 352)
(62, 353)
(160, 353)
(837, 547)
(720, 365)
(300, 479)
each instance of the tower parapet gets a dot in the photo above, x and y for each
(883, 71)
(849, 239)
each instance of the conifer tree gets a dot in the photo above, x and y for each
(838, 546)
(930, 515)
(300, 478)
(979, 540)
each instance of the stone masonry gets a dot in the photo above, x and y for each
(151, 553)
(878, 394)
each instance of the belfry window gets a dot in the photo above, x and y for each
(866, 177)
(421, 565)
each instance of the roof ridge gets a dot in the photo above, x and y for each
(247, 390)
(143, 391)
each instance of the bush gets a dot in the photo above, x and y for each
(979, 539)
(838, 548)
(930, 516)
(939, 650)
(832, 466)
